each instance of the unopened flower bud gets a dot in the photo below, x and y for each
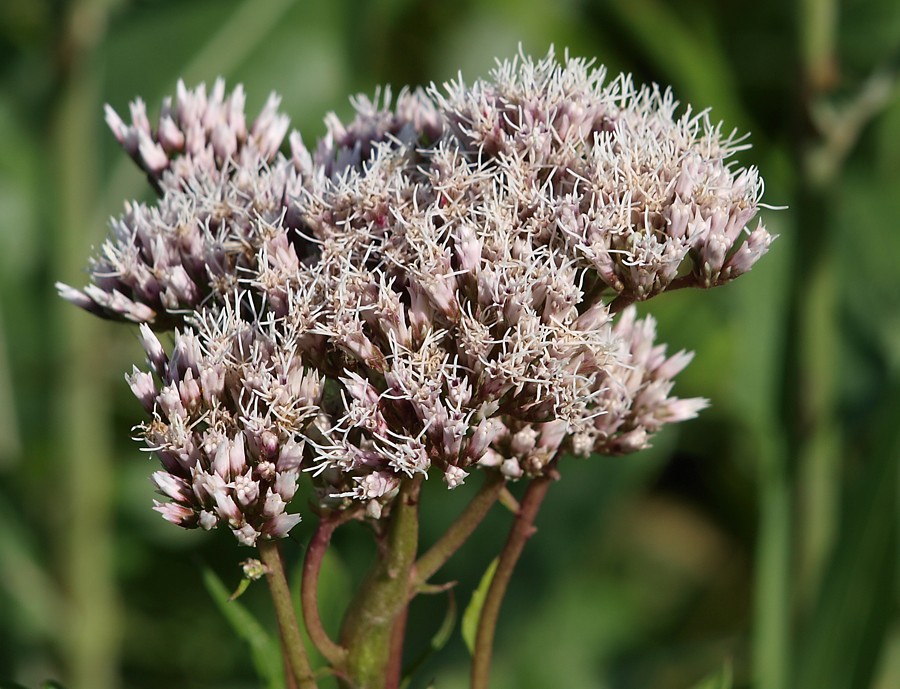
(253, 569)
(511, 469)
(143, 387)
(524, 440)
(156, 355)
(454, 476)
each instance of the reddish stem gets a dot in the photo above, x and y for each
(458, 532)
(292, 641)
(521, 531)
(395, 663)
(309, 589)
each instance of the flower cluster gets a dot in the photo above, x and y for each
(220, 188)
(226, 410)
(437, 285)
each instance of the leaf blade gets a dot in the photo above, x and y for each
(473, 610)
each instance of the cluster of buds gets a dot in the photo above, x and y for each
(227, 408)
(641, 195)
(435, 286)
(199, 133)
(221, 188)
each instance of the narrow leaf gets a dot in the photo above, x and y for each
(847, 628)
(473, 610)
(438, 641)
(264, 650)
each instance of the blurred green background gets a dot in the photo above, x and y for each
(763, 534)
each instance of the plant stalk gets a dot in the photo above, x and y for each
(398, 636)
(309, 589)
(368, 625)
(292, 641)
(521, 531)
(459, 531)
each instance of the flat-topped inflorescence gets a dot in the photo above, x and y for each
(437, 285)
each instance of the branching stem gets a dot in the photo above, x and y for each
(309, 589)
(370, 620)
(459, 531)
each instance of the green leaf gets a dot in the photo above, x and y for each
(473, 610)
(843, 637)
(438, 641)
(723, 679)
(264, 650)
(11, 685)
(239, 591)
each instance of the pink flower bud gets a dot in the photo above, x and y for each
(172, 486)
(246, 535)
(286, 484)
(143, 387)
(246, 490)
(454, 476)
(175, 513)
(511, 469)
(156, 355)
(279, 526)
(274, 504)
(189, 391)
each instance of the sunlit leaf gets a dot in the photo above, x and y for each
(473, 610)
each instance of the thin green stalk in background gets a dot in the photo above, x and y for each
(771, 633)
(90, 632)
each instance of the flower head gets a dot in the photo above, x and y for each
(427, 290)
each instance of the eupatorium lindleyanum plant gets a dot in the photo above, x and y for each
(443, 285)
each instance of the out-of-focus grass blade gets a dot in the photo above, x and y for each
(473, 609)
(438, 641)
(264, 649)
(845, 633)
(23, 578)
(221, 53)
(723, 679)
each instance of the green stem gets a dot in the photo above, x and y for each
(291, 639)
(818, 28)
(521, 531)
(772, 614)
(90, 630)
(369, 622)
(459, 531)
